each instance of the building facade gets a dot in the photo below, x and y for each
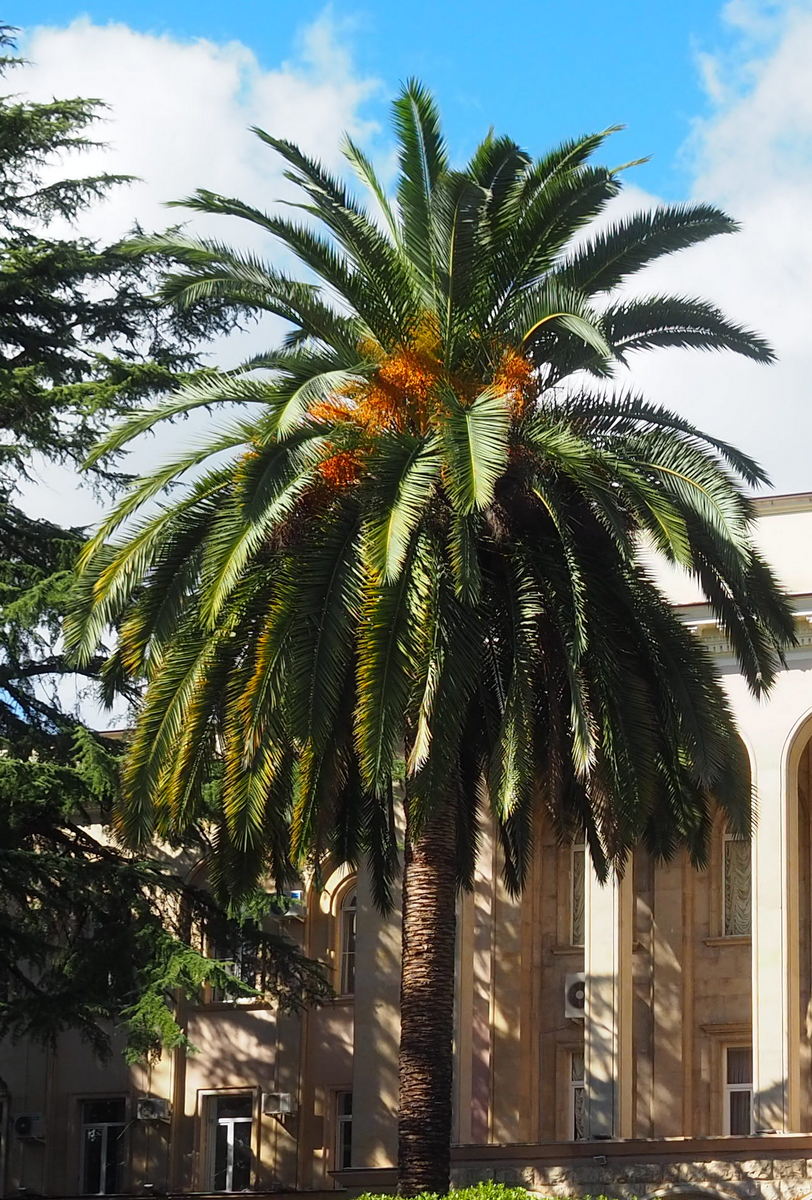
(651, 1034)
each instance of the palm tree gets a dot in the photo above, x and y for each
(415, 555)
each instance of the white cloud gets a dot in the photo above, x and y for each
(179, 118)
(753, 156)
(180, 111)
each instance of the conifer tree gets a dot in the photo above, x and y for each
(88, 934)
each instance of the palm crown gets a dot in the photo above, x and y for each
(420, 555)
(424, 544)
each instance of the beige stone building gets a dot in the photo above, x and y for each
(652, 1034)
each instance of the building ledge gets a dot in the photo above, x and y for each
(615, 1154)
(790, 503)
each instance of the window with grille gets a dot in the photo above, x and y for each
(577, 893)
(347, 932)
(577, 1097)
(102, 1146)
(230, 1121)
(736, 891)
(343, 1130)
(738, 1090)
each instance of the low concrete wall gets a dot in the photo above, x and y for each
(764, 1168)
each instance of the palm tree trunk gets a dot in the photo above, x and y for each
(427, 1008)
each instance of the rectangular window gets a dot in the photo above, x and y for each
(231, 1122)
(343, 1130)
(577, 897)
(737, 889)
(577, 1121)
(236, 947)
(102, 1146)
(739, 1090)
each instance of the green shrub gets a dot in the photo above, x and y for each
(486, 1190)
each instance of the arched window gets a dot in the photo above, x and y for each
(346, 942)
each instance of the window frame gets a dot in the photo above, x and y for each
(209, 1124)
(106, 1126)
(575, 1086)
(728, 1088)
(239, 967)
(342, 1121)
(347, 908)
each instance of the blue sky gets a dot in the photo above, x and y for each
(538, 69)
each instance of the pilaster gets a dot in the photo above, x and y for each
(377, 1031)
(776, 998)
(608, 1062)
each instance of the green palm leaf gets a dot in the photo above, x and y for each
(475, 443)
(407, 472)
(423, 161)
(630, 244)
(385, 670)
(675, 321)
(367, 174)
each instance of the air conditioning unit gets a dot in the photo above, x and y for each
(30, 1127)
(574, 996)
(153, 1108)
(277, 1104)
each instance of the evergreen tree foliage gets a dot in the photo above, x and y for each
(92, 938)
(89, 934)
(82, 338)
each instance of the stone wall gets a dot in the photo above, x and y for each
(686, 1171)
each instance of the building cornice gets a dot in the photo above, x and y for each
(700, 620)
(792, 502)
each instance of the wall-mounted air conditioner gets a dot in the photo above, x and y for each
(30, 1127)
(153, 1108)
(277, 1104)
(574, 996)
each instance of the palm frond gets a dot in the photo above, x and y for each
(406, 471)
(625, 247)
(385, 673)
(423, 162)
(367, 174)
(541, 310)
(458, 209)
(265, 489)
(475, 440)
(372, 253)
(204, 393)
(655, 321)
